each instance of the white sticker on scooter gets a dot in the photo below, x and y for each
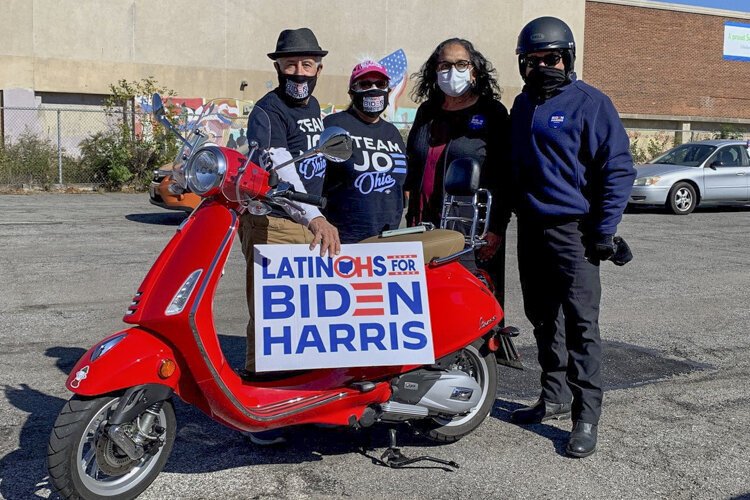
(80, 375)
(367, 306)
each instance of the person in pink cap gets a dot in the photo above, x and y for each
(365, 193)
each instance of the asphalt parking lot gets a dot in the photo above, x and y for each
(676, 415)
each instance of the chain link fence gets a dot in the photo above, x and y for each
(44, 147)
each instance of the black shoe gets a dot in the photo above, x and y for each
(539, 412)
(582, 441)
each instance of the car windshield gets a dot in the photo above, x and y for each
(691, 155)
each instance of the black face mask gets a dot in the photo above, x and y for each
(543, 81)
(297, 88)
(371, 102)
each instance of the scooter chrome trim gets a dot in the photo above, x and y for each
(395, 411)
(275, 410)
(262, 413)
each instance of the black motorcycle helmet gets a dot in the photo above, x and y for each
(546, 33)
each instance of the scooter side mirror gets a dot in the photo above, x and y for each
(335, 144)
(157, 109)
(462, 177)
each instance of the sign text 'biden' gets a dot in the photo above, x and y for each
(365, 307)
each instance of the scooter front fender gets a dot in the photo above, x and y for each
(125, 359)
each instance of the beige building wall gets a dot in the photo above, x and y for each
(206, 48)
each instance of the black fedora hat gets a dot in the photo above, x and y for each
(297, 42)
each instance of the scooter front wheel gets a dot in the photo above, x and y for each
(481, 365)
(83, 461)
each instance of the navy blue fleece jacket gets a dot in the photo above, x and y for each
(570, 158)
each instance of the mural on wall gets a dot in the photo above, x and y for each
(187, 107)
(225, 124)
(329, 109)
(396, 65)
(229, 118)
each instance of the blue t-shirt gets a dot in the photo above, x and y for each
(274, 123)
(571, 158)
(365, 193)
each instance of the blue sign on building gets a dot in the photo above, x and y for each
(738, 5)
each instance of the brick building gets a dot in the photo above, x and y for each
(664, 65)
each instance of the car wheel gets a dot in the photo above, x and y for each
(682, 198)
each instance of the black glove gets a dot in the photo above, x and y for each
(622, 254)
(603, 247)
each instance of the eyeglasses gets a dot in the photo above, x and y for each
(461, 65)
(550, 59)
(363, 85)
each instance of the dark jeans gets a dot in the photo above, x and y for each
(561, 295)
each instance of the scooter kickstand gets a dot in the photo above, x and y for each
(393, 458)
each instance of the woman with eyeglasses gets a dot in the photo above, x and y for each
(460, 116)
(365, 193)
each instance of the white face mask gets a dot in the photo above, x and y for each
(453, 82)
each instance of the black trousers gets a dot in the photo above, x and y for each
(561, 296)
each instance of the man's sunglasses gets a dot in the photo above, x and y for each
(551, 59)
(364, 85)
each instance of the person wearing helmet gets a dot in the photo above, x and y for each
(572, 174)
(365, 193)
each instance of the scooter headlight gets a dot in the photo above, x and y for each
(205, 171)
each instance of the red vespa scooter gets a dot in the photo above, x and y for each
(115, 434)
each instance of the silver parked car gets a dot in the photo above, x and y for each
(704, 172)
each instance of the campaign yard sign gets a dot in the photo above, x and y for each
(365, 307)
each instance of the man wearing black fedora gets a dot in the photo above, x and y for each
(295, 125)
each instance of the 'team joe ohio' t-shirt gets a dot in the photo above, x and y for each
(365, 193)
(295, 128)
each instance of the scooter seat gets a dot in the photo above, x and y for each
(436, 244)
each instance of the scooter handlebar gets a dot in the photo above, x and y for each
(310, 199)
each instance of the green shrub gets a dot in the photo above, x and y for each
(654, 147)
(33, 160)
(119, 157)
(728, 132)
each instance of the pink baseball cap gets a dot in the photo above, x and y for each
(367, 67)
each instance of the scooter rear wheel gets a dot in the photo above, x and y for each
(79, 452)
(481, 365)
